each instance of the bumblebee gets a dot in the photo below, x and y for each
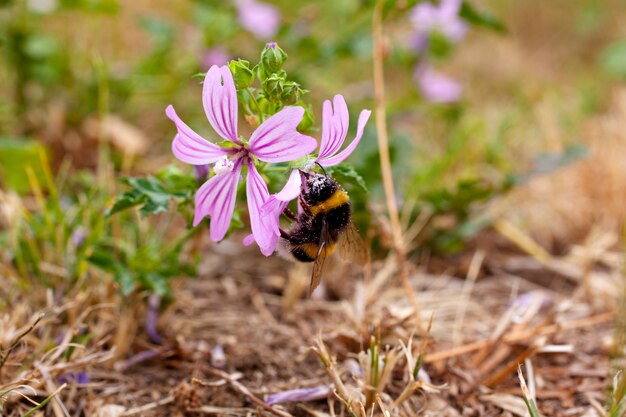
(323, 227)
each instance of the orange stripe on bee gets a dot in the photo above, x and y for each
(311, 249)
(339, 198)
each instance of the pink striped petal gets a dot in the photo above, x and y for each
(216, 198)
(248, 240)
(276, 204)
(190, 147)
(334, 160)
(334, 126)
(219, 98)
(292, 188)
(264, 228)
(277, 139)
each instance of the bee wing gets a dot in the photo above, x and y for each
(350, 246)
(320, 259)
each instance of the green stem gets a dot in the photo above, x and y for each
(256, 103)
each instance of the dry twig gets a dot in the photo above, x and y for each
(237, 386)
(385, 161)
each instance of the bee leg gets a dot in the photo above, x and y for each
(290, 214)
(284, 234)
(304, 205)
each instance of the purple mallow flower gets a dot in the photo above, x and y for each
(276, 140)
(335, 123)
(301, 394)
(428, 18)
(437, 87)
(260, 19)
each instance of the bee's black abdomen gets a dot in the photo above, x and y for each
(339, 217)
(299, 253)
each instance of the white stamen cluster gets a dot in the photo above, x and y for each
(223, 166)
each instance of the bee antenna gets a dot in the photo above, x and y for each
(321, 167)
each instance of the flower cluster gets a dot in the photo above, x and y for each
(275, 140)
(429, 22)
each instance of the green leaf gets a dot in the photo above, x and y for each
(481, 18)
(15, 156)
(125, 201)
(347, 174)
(155, 193)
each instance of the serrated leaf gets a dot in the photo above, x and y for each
(125, 201)
(481, 18)
(347, 174)
(154, 193)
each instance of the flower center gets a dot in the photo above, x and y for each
(223, 166)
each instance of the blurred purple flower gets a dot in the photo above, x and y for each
(276, 140)
(214, 56)
(218, 358)
(437, 87)
(78, 237)
(523, 301)
(152, 317)
(74, 377)
(427, 18)
(334, 132)
(301, 394)
(260, 19)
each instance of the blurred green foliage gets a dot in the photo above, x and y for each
(16, 156)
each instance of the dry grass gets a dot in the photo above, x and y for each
(238, 304)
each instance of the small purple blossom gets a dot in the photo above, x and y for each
(428, 18)
(530, 301)
(335, 121)
(275, 140)
(79, 378)
(218, 357)
(214, 56)
(297, 395)
(260, 19)
(79, 236)
(152, 317)
(437, 87)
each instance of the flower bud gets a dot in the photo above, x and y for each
(242, 74)
(272, 58)
(273, 85)
(291, 92)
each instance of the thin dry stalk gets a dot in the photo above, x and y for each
(520, 336)
(329, 365)
(237, 386)
(44, 402)
(512, 365)
(385, 161)
(16, 341)
(472, 275)
(147, 407)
